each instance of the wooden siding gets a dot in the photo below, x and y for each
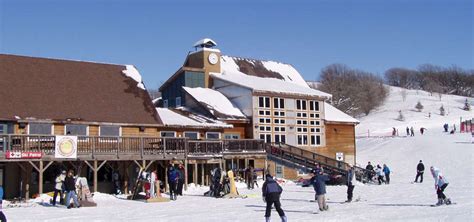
(59, 129)
(339, 138)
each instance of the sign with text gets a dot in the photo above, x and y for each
(340, 156)
(66, 147)
(23, 155)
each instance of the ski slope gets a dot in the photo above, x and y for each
(398, 201)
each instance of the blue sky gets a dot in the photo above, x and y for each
(155, 36)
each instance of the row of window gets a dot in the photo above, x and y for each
(279, 103)
(305, 122)
(302, 140)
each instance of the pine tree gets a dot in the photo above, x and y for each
(441, 110)
(467, 106)
(418, 106)
(400, 116)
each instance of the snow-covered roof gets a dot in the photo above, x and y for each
(332, 114)
(173, 118)
(205, 41)
(215, 102)
(133, 73)
(265, 76)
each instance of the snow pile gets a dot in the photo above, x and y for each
(133, 73)
(231, 73)
(171, 118)
(214, 101)
(334, 115)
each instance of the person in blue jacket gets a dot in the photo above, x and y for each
(271, 192)
(2, 216)
(172, 181)
(386, 171)
(319, 183)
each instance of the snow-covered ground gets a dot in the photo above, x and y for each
(399, 201)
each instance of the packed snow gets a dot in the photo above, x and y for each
(214, 101)
(401, 200)
(133, 73)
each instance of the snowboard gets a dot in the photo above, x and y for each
(435, 205)
(136, 186)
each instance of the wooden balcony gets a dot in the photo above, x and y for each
(132, 148)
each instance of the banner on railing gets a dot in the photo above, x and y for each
(23, 155)
(66, 147)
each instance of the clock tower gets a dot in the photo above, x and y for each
(205, 57)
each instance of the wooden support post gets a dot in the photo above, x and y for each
(95, 176)
(195, 174)
(166, 178)
(202, 174)
(40, 182)
(185, 174)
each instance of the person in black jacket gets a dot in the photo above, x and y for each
(420, 169)
(180, 179)
(271, 192)
(70, 187)
(370, 171)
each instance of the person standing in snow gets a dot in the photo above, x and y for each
(350, 183)
(2, 216)
(445, 126)
(172, 180)
(153, 179)
(70, 187)
(319, 184)
(380, 174)
(386, 171)
(116, 182)
(440, 185)
(180, 179)
(271, 193)
(420, 169)
(408, 131)
(422, 130)
(370, 171)
(412, 131)
(58, 187)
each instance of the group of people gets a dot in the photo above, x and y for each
(175, 181)
(446, 128)
(65, 184)
(378, 173)
(251, 177)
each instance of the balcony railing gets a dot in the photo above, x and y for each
(94, 146)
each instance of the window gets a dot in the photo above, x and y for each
(279, 129)
(165, 103)
(300, 104)
(213, 135)
(301, 115)
(315, 130)
(267, 138)
(277, 113)
(178, 101)
(264, 120)
(40, 128)
(76, 129)
(3, 128)
(280, 138)
(231, 136)
(191, 135)
(302, 139)
(315, 140)
(109, 130)
(278, 103)
(264, 102)
(168, 134)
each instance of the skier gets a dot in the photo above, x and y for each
(249, 177)
(408, 131)
(58, 187)
(172, 179)
(386, 171)
(350, 183)
(422, 130)
(394, 131)
(271, 192)
(412, 131)
(420, 169)
(70, 186)
(445, 126)
(319, 184)
(380, 174)
(216, 181)
(440, 184)
(180, 179)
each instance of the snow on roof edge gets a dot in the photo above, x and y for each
(333, 114)
(133, 73)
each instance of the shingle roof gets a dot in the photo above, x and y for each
(57, 89)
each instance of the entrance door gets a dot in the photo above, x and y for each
(279, 171)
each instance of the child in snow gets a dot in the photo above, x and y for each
(440, 184)
(271, 192)
(380, 174)
(386, 171)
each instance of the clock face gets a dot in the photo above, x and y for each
(213, 58)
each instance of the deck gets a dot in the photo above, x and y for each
(130, 148)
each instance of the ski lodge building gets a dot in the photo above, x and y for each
(216, 110)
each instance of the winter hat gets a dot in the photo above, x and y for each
(268, 176)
